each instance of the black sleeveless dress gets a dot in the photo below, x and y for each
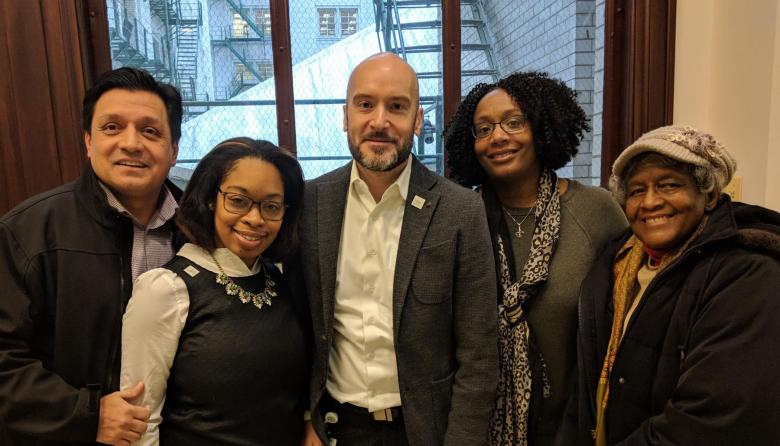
(240, 375)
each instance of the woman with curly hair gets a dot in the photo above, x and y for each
(508, 139)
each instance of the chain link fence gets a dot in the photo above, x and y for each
(219, 54)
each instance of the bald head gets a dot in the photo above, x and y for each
(382, 113)
(385, 64)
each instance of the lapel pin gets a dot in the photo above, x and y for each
(418, 201)
(191, 270)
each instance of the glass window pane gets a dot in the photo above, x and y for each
(265, 69)
(563, 38)
(263, 20)
(321, 68)
(327, 21)
(213, 53)
(348, 21)
(240, 27)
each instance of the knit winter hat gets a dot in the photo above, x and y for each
(684, 144)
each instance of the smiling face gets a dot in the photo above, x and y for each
(129, 143)
(248, 235)
(504, 156)
(382, 114)
(664, 206)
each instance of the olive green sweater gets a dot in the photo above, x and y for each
(590, 218)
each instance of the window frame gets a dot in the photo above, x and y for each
(639, 59)
(338, 25)
(320, 27)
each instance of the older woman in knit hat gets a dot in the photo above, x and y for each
(679, 337)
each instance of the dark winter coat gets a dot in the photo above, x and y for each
(699, 363)
(65, 279)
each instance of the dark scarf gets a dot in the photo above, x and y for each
(509, 424)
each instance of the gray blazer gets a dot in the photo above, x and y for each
(444, 304)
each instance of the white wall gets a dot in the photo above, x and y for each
(727, 82)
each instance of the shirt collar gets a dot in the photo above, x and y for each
(166, 207)
(231, 264)
(401, 184)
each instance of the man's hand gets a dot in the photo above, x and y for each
(310, 437)
(122, 423)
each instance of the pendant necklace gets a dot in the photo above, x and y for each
(519, 233)
(233, 289)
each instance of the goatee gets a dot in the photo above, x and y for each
(373, 160)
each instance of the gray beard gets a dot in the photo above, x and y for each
(374, 163)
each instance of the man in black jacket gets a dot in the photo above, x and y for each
(68, 258)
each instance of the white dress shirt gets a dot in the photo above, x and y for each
(362, 362)
(153, 322)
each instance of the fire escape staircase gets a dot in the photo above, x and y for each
(235, 44)
(132, 44)
(182, 27)
(392, 27)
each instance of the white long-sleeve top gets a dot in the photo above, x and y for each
(153, 322)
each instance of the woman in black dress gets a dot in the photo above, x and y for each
(218, 335)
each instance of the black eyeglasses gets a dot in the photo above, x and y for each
(512, 124)
(241, 204)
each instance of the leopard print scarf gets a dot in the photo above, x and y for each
(509, 424)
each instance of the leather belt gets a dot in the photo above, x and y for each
(389, 415)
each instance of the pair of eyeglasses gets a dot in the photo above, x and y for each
(241, 204)
(512, 124)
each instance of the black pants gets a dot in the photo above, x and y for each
(357, 427)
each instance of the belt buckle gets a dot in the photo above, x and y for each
(383, 415)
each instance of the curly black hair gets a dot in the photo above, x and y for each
(557, 121)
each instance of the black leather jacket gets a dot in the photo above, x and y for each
(65, 279)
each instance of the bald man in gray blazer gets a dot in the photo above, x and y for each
(399, 272)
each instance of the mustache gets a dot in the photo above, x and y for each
(379, 136)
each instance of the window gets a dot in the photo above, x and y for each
(338, 22)
(243, 74)
(265, 69)
(240, 28)
(348, 21)
(263, 20)
(327, 21)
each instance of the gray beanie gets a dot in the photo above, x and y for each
(684, 144)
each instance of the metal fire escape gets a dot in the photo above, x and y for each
(235, 41)
(182, 30)
(168, 51)
(134, 44)
(476, 49)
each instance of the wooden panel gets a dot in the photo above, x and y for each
(34, 164)
(96, 48)
(66, 86)
(11, 183)
(40, 89)
(638, 73)
(450, 33)
(285, 102)
(451, 62)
